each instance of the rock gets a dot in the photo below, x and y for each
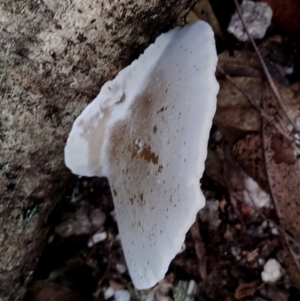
(54, 58)
(257, 17)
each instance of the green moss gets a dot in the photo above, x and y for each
(3, 168)
(30, 213)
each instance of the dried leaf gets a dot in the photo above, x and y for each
(214, 169)
(248, 152)
(233, 108)
(283, 150)
(283, 171)
(252, 255)
(216, 164)
(246, 289)
(246, 209)
(295, 87)
(49, 291)
(283, 176)
(287, 14)
(116, 285)
(277, 295)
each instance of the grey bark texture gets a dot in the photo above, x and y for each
(54, 57)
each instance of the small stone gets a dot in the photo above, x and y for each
(254, 194)
(121, 268)
(272, 271)
(109, 293)
(122, 295)
(97, 218)
(257, 17)
(97, 237)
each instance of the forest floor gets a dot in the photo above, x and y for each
(247, 222)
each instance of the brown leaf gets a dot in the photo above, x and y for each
(295, 87)
(246, 209)
(214, 169)
(248, 152)
(283, 150)
(48, 291)
(116, 285)
(278, 158)
(200, 250)
(287, 14)
(276, 295)
(233, 108)
(246, 289)
(252, 255)
(283, 172)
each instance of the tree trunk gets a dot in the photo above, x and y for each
(54, 57)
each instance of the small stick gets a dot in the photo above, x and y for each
(265, 69)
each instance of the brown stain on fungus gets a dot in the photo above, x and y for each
(161, 110)
(141, 200)
(115, 192)
(148, 155)
(145, 153)
(154, 129)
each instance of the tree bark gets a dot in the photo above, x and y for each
(54, 57)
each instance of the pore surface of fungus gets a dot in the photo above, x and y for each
(147, 132)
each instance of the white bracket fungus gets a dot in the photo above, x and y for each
(147, 132)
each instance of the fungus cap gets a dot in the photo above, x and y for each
(147, 132)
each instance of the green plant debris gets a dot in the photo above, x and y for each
(31, 213)
(3, 167)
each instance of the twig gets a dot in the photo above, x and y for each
(265, 69)
(256, 105)
(295, 256)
